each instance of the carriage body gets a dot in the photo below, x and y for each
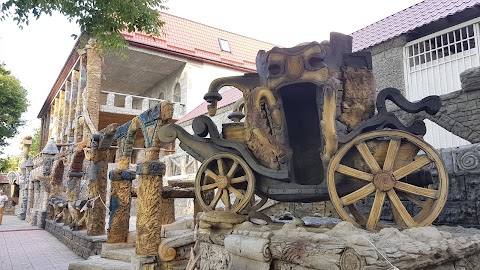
(309, 126)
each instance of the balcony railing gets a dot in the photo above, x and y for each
(134, 105)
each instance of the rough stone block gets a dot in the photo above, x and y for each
(457, 191)
(462, 212)
(470, 79)
(138, 262)
(472, 183)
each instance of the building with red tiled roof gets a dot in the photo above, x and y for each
(422, 50)
(179, 65)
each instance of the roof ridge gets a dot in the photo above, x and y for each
(236, 34)
(389, 16)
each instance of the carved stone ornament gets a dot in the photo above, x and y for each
(350, 260)
(466, 160)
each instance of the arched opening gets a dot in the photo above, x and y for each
(161, 95)
(177, 93)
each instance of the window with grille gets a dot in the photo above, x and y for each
(442, 46)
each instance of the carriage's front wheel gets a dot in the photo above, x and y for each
(387, 168)
(224, 181)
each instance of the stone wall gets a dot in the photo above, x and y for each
(463, 204)
(78, 241)
(460, 112)
(387, 60)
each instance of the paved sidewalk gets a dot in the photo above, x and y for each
(25, 247)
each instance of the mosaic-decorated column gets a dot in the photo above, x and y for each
(120, 202)
(97, 186)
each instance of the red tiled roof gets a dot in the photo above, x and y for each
(228, 97)
(195, 39)
(408, 19)
(188, 39)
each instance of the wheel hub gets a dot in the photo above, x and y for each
(384, 181)
(222, 182)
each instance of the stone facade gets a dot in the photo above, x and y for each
(387, 61)
(463, 204)
(460, 112)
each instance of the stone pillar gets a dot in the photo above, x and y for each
(120, 202)
(152, 210)
(97, 186)
(78, 134)
(59, 122)
(42, 208)
(24, 196)
(30, 198)
(72, 106)
(36, 202)
(66, 113)
(91, 105)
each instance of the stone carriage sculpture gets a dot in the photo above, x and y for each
(313, 131)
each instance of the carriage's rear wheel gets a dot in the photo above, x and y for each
(224, 181)
(386, 171)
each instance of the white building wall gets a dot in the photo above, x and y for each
(199, 78)
(433, 65)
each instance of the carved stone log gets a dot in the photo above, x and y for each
(181, 183)
(175, 192)
(152, 209)
(120, 202)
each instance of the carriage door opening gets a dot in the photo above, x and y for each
(303, 126)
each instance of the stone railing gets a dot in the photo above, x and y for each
(134, 105)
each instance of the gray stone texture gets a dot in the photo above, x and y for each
(470, 79)
(460, 114)
(387, 60)
(77, 241)
(463, 205)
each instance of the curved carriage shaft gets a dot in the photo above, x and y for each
(387, 181)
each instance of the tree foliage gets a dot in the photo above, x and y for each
(9, 164)
(35, 147)
(13, 102)
(103, 20)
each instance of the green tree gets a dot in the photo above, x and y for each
(35, 147)
(9, 164)
(103, 20)
(13, 102)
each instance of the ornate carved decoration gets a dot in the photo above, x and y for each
(166, 249)
(466, 161)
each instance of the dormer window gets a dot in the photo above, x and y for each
(224, 45)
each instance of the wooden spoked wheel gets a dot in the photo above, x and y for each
(224, 181)
(377, 164)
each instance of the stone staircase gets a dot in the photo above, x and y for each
(113, 257)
